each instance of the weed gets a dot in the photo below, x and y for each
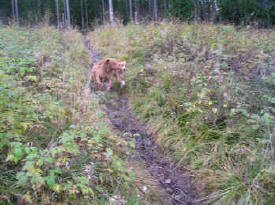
(207, 92)
(51, 151)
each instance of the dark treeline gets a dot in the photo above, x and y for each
(85, 13)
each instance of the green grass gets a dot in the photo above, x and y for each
(207, 92)
(55, 143)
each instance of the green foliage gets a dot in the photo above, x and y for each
(182, 9)
(241, 12)
(248, 11)
(50, 150)
(207, 93)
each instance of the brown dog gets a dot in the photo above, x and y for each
(106, 70)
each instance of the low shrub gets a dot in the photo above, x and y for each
(53, 150)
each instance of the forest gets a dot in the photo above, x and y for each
(189, 119)
(86, 13)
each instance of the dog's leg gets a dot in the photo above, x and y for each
(109, 84)
(122, 84)
(119, 79)
(98, 82)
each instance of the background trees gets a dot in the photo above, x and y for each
(111, 12)
(85, 13)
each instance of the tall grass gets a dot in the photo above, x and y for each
(207, 92)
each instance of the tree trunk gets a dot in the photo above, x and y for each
(39, 9)
(57, 13)
(165, 6)
(197, 12)
(218, 11)
(16, 10)
(155, 10)
(203, 10)
(68, 13)
(208, 11)
(111, 12)
(131, 10)
(136, 11)
(170, 4)
(13, 9)
(64, 13)
(34, 10)
(82, 15)
(150, 9)
(86, 14)
(103, 11)
(214, 11)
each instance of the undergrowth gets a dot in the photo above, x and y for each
(207, 92)
(55, 143)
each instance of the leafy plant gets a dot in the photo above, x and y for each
(52, 152)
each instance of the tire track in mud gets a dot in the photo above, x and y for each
(174, 180)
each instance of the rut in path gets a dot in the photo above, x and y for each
(174, 180)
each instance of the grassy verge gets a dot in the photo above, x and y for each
(55, 143)
(207, 92)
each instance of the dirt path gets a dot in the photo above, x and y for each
(173, 180)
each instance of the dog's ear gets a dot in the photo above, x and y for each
(107, 65)
(107, 61)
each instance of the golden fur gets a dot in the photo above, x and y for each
(106, 70)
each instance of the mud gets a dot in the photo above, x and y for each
(174, 180)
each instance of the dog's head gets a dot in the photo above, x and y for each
(122, 66)
(115, 65)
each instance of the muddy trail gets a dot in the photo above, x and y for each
(175, 181)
